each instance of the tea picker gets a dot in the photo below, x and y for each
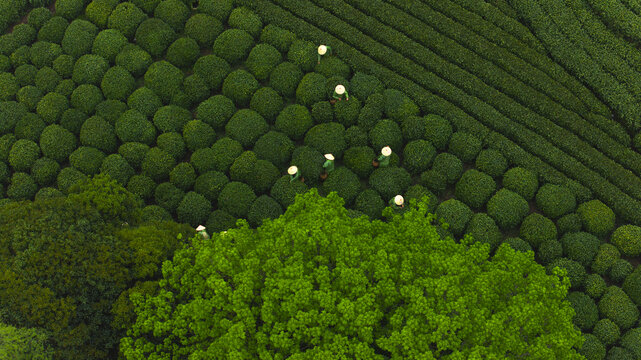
(339, 91)
(383, 160)
(328, 166)
(322, 50)
(294, 174)
(201, 231)
(397, 202)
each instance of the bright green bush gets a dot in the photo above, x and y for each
(434, 180)
(240, 86)
(89, 69)
(126, 18)
(344, 182)
(262, 60)
(347, 112)
(173, 12)
(164, 79)
(617, 306)
(216, 111)
(233, 45)
(236, 198)
(483, 229)
(225, 151)
(310, 164)
(576, 272)
(631, 341)
(456, 214)
(627, 238)
(581, 247)
(48, 193)
(569, 223)
(465, 146)
(183, 52)
(264, 207)
(86, 97)
(183, 176)
(72, 120)
(286, 77)
(399, 106)
(51, 107)
(475, 188)
(267, 102)
(38, 16)
(8, 86)
(66, 88)
(278, 37)
(536, 229)
(26, 74)
(294, 121)
(333, 66)
(87, 160)
(29, 127)
(605, 258)
(246, 126)
(370, 203)
(117, 168)
(213, 70)
(363, 85)
(173, 143)
(310, 90)
(134, 126)
(21, 187)
(595, 286)
(598, 219)
(23, 155)
(29, 96)
(220, 9)
(168, 196)
(327, 138)
(390, 181)
(274, 147)
(322, 112)
(98, 12)
(47, 79)
(53, 30)
(359, 160)
(108, 44)
(133, 58)
(448, 165)
(118, 83)
(204, 29)
(632, 286)
(585, 309)
(507, 208)
(57, 143)
(620, 270)
(386, 133)
(79, 38)
(491, 162)
(548, 251)
(69, 9)
(284, 191)
(146, 101)
(141, 185)
(592, 348)
(154, 36)
(606, 331)
(171, 118)
(198, 134)
(555, 200)
(157, 164)
(210, 184)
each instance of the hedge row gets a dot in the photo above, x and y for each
(619, 17)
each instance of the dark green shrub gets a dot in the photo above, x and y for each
(98, 12)
(220, 220)
(413, 128)
(29, 96)
(216, 111)
(333, 66)
(456, 214)
(268, 103)
(233, 45)
(6, 142)
(606, 331)
(87, 159)
(63, 65)
(173, 143)
(38, 16)
(148, 6)
(417, 192)
(285, 191)
(450, 166)
(581, 247)
(548, 251)
(69, 9)
(359, 160)
(117, 168)
(309, 162)
(475, 188)
(632, 285)
(66, 87)
(53, 30)
(204, 29)
(507, 208)
(310, 90)
(157, 164)
(89, 69)
(118, 83)
(210, 184)
(522, 181)
(72, 120)
(171, 118)
(173, 12)
(619, 353)
(9, 86)
(355, 136)
(585, 309)
(184, 52)
(262, 60)
(569, 223)
(48, 193)
(220, 9)
(51, 107)
(108, 44)
(10, 113)
(617, 306)
(555, 200)
(465, 146)
(198, 134)
(164, 79)
(390, 181)
(303, 54)
(141, 185)
(483, 229)
(168, 196)
(213, 70)
(537, 229)
(277, 37)
(30, 127)
(347, 112)
(79, 38)
(519, 244)
(264, 207)
(259, 174)
(627, 238)
(434, 180)
(68, 177)
(225, 151)
(111, 110)
(57, 143)
(285, 79)
(126, 18)
(274, 147)
(23, 155)
(4, 172)
(605, 258)
(154, 36)
(370, 203)
(246, 126)
(322, 112)
(86, 97)
(399, 106)
(595, 286)
(418, 156)
(155, 213)
(327, 138)
(22, 55)
(196, 89)
(240, 86)
(133, 58)
(576, 272)
(21, 187)
(134, 126)
(620, 270)
(598, 219)
(592, 348)
(244, 19)
(26, 74)
(145, 101)
(294, 121)
(344, 182)
(183, 176)
(386, 133)
(206, 159)
(47, 79)
(631, 341)
(363, 85)
(24, 34)
(236, 198)
(491, 162)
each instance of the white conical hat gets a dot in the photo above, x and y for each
(329, 156)
(387, 151)
(200, 228)
(340, 89)
(398, 200)
(292, 170)
(322, 49)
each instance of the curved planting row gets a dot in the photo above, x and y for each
(619, 17)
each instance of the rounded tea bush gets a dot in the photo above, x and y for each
(164, 79)
(196, 89)
(118, 83)
(569, 223)
(48, 193)
(294, 121)
(386, 133)
(586, 312)
(483, 229)
(592, 348)
(333, 66)
(24, 34)
(98, 12)
(627, 238)
(155, 213)
(581, 247)
(72, 120)
(606, 256)
(79, 38)
(555, 200)
(213, 70)
(262, 59)
(285, 78)
(620, 270)
(21, 187)
(157, 164)
(89, 69)
(507, 208)
(134, 153)
(86, 97)
(448, 165)
(57, 143)
(173, 143)
(522, 181)
(434, 180)
(491, 162)
(126, 18)
(220, 220)
(51, 107)
(183, 53)
(278, 37)
(26, 74)
(220, 9)
(66, 87)
(183, 176)
(344, 182)
(413, 128)
(68, 177)
(606, 331)
(216, 111)
(171, 118)
(148, 6)
(204, 29)
(456, 214)
(245, 19)
(575, 272)
(355, 136)
(303, 54)
(117, 168)
(10, 113)
(390, 181)
(133, 58)
(474, 188)
(598, 219)
(327, 138)
(210, 184)
(87, 160)
(38, 16)
(9, 86)
(30, 127)
(617, 306)
(399, 106)
(310, 90)
(359, 160)
(47, 79)
(274, 147)
(595, 286)
(548, 251)
(285, 191)
(518, 244)
(322, 112)
(154, 36)
(268, 103)
(108, 44)
(465, 146)
(111, 110)
(309, 162)
(537, 229)
(53, 30)
(141, 185)
(225, 151)
(23, 155)
(63, 65)
(168, 196)
(240, 86)
(144, 100)
(198, 134)
(173, 12)
(233, 45)
(134, 126)
(246, 126)
(264, 207)
(236, 198)
(370, 203)
(29, 96)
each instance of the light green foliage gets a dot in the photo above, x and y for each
(111, 110)
(285, 78)
(537, 229)
(216, 111)
(86, 97)
(548, 251)
(47, 79)
(483, 229)
(333, 66)
(116, 167)
(474, 188)
(598, 219)
(204, 29)
(522, 181)
(294, 121)
(173, 143)
(38, 16)
(145, 101)
(456, 214)
(133, 58)
(620, 269)
(370, 203)
(53, 30)
(555, 200)
(213, 70)
(617, 306)
(344, 182)
(586, 310)
(576, 272)
(606, 331)
(262, 60)
(29, 96)
(26, 74)
(45, 171)
(173, 12)
(21, 187)
(134, 126)
(632, 286)
(414, 128)
(8, 86)
(168, 196)
(274, 147)
(592, 348)
(581, 247)
(386, 133)
(464, 145)
(595, 286)
(210, 184)
(433, 180)
(627, 238)
(164, 79)
(157, 164)
(240, 86)
(359, 241)
(448, 165)
(184, 52)
(303, 54)
(154, 36)
(98, 12)
(233, 45)
(197, 135)
(245, 19)
(491, 162)
(236, 198)
(264, 207)
(347, 112)
(141, 185)
(24, 343)
(416, 192)
(246, 126)
(171, 118)
(89, 69)
(69, 9)
(193, 209)
(118, 83)
(327, 138)
(359, 160)
(79, 38)
(30, 127)
(278, 37)
(309, 162)
(398, 106)
(134, 153)
(57, 143)
(87, 159)
(23, 155)
(51, 107)
(310, 90)
(268, 103)
(125, 18)
(219, 9)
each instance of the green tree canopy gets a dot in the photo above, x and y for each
(316, 283)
